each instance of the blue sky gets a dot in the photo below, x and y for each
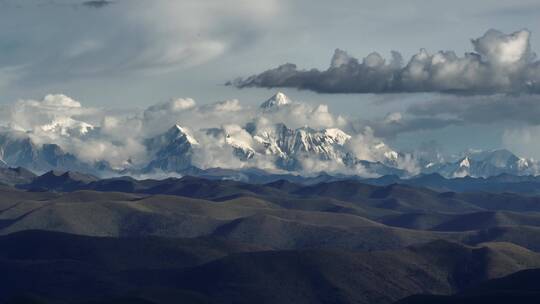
(134, 53)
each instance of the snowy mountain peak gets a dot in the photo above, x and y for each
(279, 99)
(67, 126)
(337, 135)
(523, 163)
(498, 158)
(172, 151)
(465, 163)
(390, 156)
(178, 131)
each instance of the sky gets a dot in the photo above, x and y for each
(132, 54)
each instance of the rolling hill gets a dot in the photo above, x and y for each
(72, 238)
(80, 269)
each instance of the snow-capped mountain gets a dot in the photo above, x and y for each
(18, 150)
(501, 159)
(171, 151)
(276, 101)
(290, 146)
(261, 142)
(289, 149)
(174, 150)
(485, 164)
(67, 127)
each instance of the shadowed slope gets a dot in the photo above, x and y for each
(78, 269)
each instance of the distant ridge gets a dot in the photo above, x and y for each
(72, 180)
(15, 176)
(59, 181)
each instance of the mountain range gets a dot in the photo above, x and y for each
(68, 237)
(272, 147)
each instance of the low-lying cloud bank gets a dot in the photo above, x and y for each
(500, 63)
(224, 134)
(279, 136)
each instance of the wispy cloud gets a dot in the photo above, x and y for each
(127, 37)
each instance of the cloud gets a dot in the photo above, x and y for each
(224, 106)
(28, 114)
(500, 63)
(440, 111)
(127, 37)
(498, 108)
(91, 134)
(97, 3)
(391, 128)
(367, 146)
(523, 141)
(229, 135)
(176, 105)
(518, 114)
(227, 130)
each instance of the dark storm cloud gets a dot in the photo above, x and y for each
(97, 3)
(500, 63)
